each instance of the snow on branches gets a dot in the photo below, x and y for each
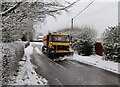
(15, 15)
(111, 39)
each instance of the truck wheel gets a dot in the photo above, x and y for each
(72, 54)
(49, 55)
(43, 49)
(48, 52)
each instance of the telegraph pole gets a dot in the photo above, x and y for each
(72, 21)
(72, 24)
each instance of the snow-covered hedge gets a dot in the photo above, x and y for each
(11, 55)
(111, 40)
(83, 47)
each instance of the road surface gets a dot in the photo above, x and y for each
(71, 72)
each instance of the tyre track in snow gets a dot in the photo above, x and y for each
(71, 72)
(54, 72)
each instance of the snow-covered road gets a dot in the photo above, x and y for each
(72, 71)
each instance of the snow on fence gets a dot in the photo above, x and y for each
(11, 55)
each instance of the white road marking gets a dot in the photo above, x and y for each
(58, 81)
(50, 64)
(60, 66)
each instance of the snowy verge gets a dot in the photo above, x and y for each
(27, 74)
(38, 43)
(97, 61)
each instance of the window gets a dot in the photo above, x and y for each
(58, 38)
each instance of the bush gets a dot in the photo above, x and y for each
(24, 37)
(111, 39)
(87, 48)
(84, 48)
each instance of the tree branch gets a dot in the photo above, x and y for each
(63, 8)
(10, 9)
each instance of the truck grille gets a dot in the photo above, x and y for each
(61, 47)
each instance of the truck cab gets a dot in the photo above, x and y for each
(57, 44)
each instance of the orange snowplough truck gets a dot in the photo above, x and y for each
(57, 44)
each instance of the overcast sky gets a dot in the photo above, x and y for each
(100, 15)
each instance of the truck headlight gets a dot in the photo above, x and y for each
(52, 51)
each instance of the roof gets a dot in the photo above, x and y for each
(60, 34)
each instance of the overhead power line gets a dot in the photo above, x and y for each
(81, 11)
(84, 9)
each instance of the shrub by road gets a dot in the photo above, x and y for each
(12, 53)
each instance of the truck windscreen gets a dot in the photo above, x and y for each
(60, 38)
